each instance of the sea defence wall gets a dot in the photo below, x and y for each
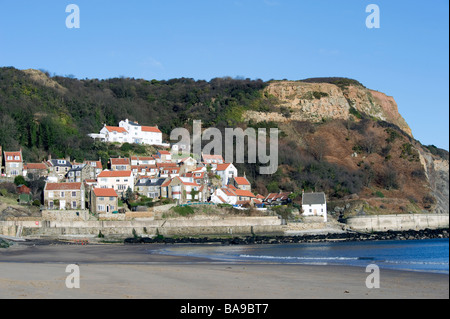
(169, 227)
(382, 223)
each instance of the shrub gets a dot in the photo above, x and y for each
(379, 194)
(37, 203)
(184, 210)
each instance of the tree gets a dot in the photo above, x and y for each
(19, 180)
(129, 194)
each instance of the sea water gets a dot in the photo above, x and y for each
(416, 255)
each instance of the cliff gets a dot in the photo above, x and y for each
(304, 101)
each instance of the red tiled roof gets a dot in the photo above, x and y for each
(36, 166)
(150, 129)
(96, 164)
(120, 161)
(222, 167)
(115, 174)
(116, 129)
(241, 192)
(164, 152)
(212, 157)
(13, 154)
(242, 181)
(105, 192)
(167, 183)
(62, 186)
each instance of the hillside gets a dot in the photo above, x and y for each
(337, 136)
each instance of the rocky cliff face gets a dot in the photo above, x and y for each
(315, 102)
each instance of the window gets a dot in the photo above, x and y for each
(74, 204)
(111, 198)
(10, 158)
(101, 198)
(50, 204)
(101, 208)
(17, 158)
(50, 195)
(74, 194)
(310, 210)
(62, 194)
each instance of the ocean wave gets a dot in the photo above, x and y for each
(298, 258)
(404, 262)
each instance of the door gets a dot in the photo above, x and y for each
(62, 204)
(107, 208)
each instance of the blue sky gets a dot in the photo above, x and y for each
(407, 57)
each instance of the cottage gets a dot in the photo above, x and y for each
(241, 183)
(13, 163)
(142, 160)
(64, 196)
(183, 189)
(150, 187)
(212, 159)
(226, 172)
(58, 168)
(96, 165)
(104, 200)
(163, 157)
(276, 199)
(119, 164)
(314, 204)
(120, 181)
(80, 172)
(36, 170)
(113, 134)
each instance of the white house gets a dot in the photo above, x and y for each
(224, 196)
(119, 180)
(130, 132)
(139, 134)
(314, 204)
(226, 172)
(113, 134)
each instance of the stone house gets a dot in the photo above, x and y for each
(241, 183)
(64, 196)
(120, 164)
(36, 170)
(13, 163)
(80, 172)
(150, 187)
(183, 189)
(58, 168)
(104, 201)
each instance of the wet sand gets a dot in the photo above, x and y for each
(123, 271)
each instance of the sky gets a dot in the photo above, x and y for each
(407, 57)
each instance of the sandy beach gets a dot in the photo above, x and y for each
(124, 271)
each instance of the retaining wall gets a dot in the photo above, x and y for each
(171, 227)
(379, 223)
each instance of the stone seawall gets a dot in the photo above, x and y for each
(382, 223)
(241, 226)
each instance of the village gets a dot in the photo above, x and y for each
(131, 183)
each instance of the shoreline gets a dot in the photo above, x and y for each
(132, 271)
(303, 238)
